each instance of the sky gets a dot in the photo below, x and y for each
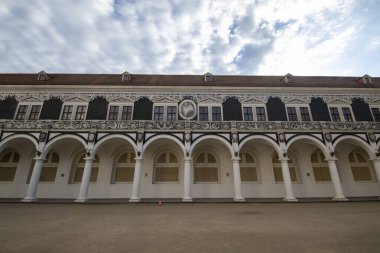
(224, 37)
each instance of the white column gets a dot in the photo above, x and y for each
(85, 180)
(187, 181)
(336, 180)
(136, 181)
(33, 183)
(376, 166)
(237, 179)
(289, 195)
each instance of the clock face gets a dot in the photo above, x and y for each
(187, 109)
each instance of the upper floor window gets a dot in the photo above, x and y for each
(296, 113)
(376, 113)
(251, 113)
(341, 113)
(206, 111)
(74, 111)
(247, 114)
(119, 112)
(165, 112)
(30, 112)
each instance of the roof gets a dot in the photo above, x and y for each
(187, 80)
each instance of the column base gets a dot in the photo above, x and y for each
(188, 199)
(78, 200)
(290, 199)
(239, 199)
(134, 200)
(29, 200)
(340, 199)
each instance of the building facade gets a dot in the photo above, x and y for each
(91, 136)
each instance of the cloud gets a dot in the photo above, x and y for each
(181, 36)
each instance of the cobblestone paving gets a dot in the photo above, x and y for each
(194, 227)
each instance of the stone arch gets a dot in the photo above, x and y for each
(312, 140)
(55, 140)
(6, 140)
(266, 139)
(213, 137)
(357, 141)
(164, 136)
(110, 137)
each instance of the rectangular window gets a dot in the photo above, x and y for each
(278, 174)
(260, 114)
(67, 112)
(361, 174)
(376, 114)
(34, 112)
(126, 113)
(334, 114)
(321, 174)
(158, 113)
(248, 174)
(171, 113)
(81, 112)
(292, 114)
(347, 114)
(305, 115)
(124, 174)
(203, 113)
(216, 113)
(113, 113)
(21, 114)
(247, 113)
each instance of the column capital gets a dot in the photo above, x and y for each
(38, 158)
(284, 159)
(187, 159)
(329, 160)
(235, 159)
(88, 158)
(138, 158)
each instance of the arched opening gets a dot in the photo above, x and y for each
(320, 167)
(166, 168)
(206, 169)
(248, 168)
(360, 167)
(8, 165)
(124, 168)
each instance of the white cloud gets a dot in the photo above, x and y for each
(178, 36)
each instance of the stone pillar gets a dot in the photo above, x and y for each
(335, 180)
(187, 181)
(289, 195)
(237, 179)
(136, 181)
(85, 180)
(35, 178)
(376, 166)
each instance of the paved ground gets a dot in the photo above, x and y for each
(200, 227)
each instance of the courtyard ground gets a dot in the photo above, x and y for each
(193, 227)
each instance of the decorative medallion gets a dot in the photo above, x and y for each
(43, 137)
(187, 109)
(371, 137)
(91, 137)
(328, 137)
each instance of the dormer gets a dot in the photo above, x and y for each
(208, 77)
(42, 76)
(126, 77)
(366, 80)
(288, 78)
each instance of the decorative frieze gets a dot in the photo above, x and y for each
(189, 125)
(202, 97)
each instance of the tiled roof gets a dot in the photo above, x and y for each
(187, 80)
